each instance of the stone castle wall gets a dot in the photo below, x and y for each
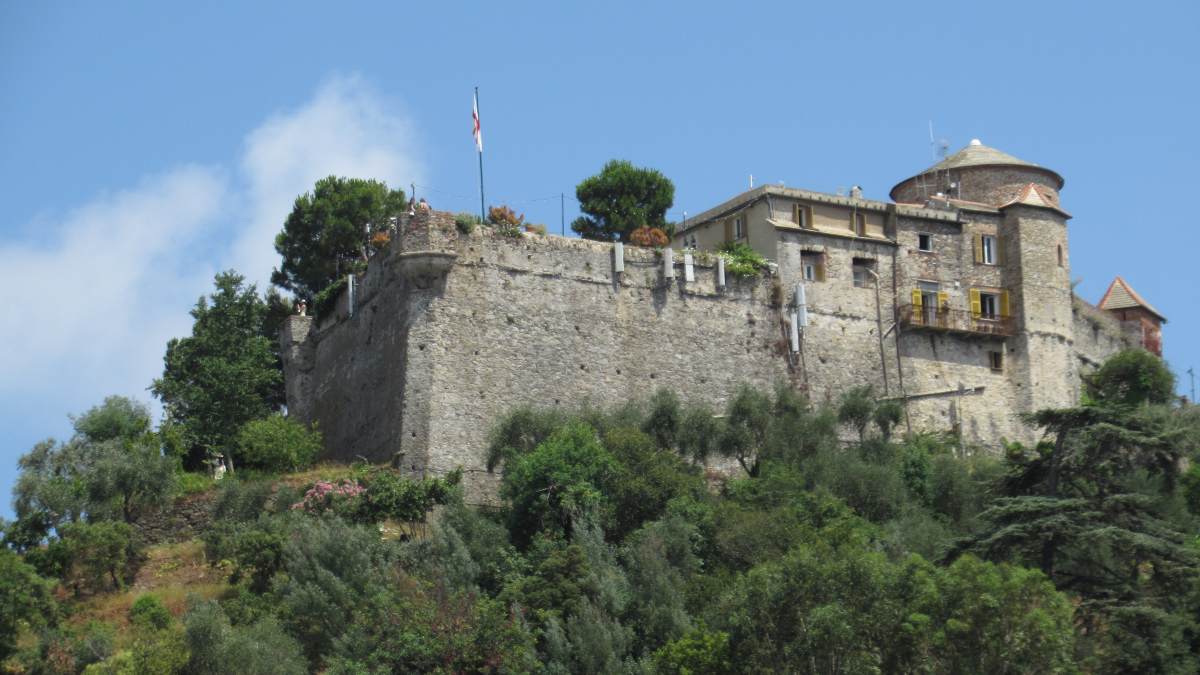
(449, 332)
(437, 351)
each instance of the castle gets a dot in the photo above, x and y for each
(954, 299)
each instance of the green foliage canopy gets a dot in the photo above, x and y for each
(622, 198)
(225, 374)
(328, 233)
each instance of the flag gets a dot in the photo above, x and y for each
(478, 131)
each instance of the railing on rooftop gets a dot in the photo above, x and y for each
(920, 317)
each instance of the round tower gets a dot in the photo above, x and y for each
(980, 174)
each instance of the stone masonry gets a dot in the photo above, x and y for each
(446, 332)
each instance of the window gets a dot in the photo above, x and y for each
(989, 250)
(1060, 256)
(929, 304)
(924, 242)
(996, 361)
(864, 268)
(989, 306)
(801, 216)
(986, 250)
(860, 224)
(739, 227)
(812, 265)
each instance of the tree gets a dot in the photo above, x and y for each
(25, 599)
(622, 198)
(1078, 507)
(112, 467)
(1132, 377)
(328, 233)
(225, 374)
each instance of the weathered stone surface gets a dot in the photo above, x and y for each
(449, 332)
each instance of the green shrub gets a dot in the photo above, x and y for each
(240, 500)
(741, 260)
(25, 599)
(260, 648)
(148, 612)
(96, 553)
(191, 483)
(278, 443)
(466, 222)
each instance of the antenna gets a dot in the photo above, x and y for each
(1192, 381)
(751, 181)
(939, 146)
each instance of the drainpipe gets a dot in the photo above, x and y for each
(879, 330)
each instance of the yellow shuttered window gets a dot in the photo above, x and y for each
(1004, 306)
(943, 299)
(917, 314)
(976, 308)
(979, 248)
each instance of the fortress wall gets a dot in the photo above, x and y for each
(1098, 334)
(430, 362)
(541, 321)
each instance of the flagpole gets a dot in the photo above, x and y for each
(482, 215)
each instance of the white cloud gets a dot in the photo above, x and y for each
(91, 304)
(98, 302)
(347, 130)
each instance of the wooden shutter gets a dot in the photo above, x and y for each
(820, 268)
(916, 297)
(998, 254)
(728, 230)
(979, 248)
(1004, 306)
(917, 314)
(976, 304)
(943, 299)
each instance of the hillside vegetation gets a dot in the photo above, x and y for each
(615, 551)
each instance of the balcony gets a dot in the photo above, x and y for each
(918, 317)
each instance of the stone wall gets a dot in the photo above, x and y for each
(433, 358)
(182, 519)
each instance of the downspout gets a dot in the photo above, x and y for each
(896, 314)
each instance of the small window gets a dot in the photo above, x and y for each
(812, 266)
(801, 216)
(924, 242)
(1060, 256)
(739, 227)
(996, 361)
(988, 249)
(860, 224)
(864, 269)
(989, 306)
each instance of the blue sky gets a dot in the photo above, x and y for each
(145, 146)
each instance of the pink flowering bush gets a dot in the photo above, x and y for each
(341, 497)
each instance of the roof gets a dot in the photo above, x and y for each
(1120, 295)
(739, 202)
(978, 154)
(1037, 195)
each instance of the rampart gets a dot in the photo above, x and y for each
(448, 332)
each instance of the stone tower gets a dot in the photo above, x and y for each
(1031, 251)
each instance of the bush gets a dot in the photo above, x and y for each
(741, 260)
(240, 500)
(148, 612)
(279, 444)
(96, 553)
(261, 648)
(25, 599)
(191, 483)
(504, 215)
(466, 222)
(650, 237)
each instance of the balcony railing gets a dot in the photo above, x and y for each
(953, 320)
